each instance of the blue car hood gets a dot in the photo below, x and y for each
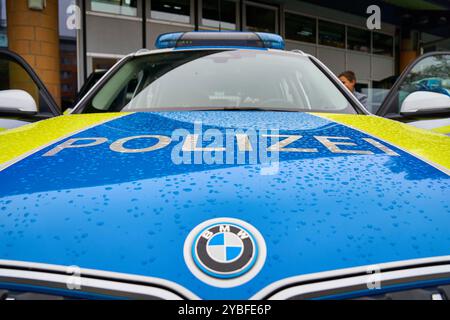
(131, 212)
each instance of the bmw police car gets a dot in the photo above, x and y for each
(220, 166)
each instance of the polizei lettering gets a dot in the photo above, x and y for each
(232, 146)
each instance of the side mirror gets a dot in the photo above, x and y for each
(17, 101)
(424, 102)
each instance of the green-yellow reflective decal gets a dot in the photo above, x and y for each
(15, 143)
(444, 130)
(428, 145)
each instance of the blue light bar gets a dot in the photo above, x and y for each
(218, 39)
(271, 41)
(168, 40)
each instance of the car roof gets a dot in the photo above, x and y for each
(144, 52)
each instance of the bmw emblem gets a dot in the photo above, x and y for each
(225, 252)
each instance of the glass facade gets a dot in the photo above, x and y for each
(225, 17)
(123, 7)
(171, 10)
(300, 28)
(3, 33)
(358, 39)
(314, 32)
(68, 70)
(224, 14)
(260, 19)
(331, 34)
(383, 44)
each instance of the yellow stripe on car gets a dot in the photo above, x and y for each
(16, 143)
(425, 144)
(444, 130)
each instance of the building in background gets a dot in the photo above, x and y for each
(68, 57)
(69, 74)
(3, 24)
(334, 31)
(341, 40)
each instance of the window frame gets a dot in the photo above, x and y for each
(355, 26)
(203, 26)
(42, 89)
(276, 9)
(336, 23)
(4, 28)
(361, 29)
(137, 15)
(384, 108)
(316, 27)
(392, 55)
(191, 21)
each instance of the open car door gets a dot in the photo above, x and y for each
(421, 95)
(23, 96)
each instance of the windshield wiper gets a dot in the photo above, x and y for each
(217, 109)
(261, 109)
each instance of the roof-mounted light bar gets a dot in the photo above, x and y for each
(219, 39)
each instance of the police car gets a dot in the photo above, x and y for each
(220, 166)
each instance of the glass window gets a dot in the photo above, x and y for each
(358, 39)
(148, 83)
(68, 66)
(211, 15)
(331, 34)
(260, 19)
(378, 92)
(124, 7)
(14, 76)
(383, 44)
(171, 10)
(3, 34)
(431, 74)
(300, 28)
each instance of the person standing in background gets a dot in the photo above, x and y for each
(348, 78)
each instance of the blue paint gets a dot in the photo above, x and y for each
(131, 213)
(233, 252)
(217, 240)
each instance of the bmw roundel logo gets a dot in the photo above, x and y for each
(225, 252)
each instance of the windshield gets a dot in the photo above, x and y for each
(219, 79)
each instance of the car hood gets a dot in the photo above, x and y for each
(440, 125)
(383, 198)
(6, 123)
